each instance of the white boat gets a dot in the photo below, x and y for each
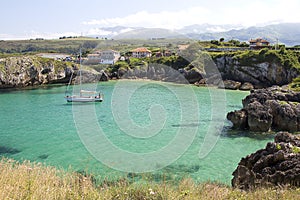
(84, 95)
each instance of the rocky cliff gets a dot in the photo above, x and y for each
(239, 70)
(32, 70)
(263, 73)
(274, 108)
(276, 165)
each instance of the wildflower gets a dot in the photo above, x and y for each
(151, 191)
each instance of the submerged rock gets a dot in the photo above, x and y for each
(276, 165)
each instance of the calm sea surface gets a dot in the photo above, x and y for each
(38, 125)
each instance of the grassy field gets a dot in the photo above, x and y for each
(34, 181)
(72, 45)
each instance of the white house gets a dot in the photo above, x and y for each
(109, 57)
(104, 57)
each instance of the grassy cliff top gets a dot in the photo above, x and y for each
(286, 58)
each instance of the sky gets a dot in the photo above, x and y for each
(55, 18)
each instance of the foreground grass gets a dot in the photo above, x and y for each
(34, 181)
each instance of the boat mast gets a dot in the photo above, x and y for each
(80, 69)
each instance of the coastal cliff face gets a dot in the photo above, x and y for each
(239, 70)
(31, 70)
(260, 74)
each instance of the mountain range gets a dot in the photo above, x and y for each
(283, 33)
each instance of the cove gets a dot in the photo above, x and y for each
(39, 126)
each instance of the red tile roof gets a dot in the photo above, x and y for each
(258, 40)
(141, 49)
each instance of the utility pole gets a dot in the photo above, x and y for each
(276, 46)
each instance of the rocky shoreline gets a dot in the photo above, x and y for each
(18, 72)
(236, 71)
(277, 164)
(269, 109)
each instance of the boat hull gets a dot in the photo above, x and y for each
(83, 99)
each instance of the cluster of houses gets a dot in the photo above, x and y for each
(112, 56)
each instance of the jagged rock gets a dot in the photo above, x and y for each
(259, 117)
(230, 84)
(246, 86)
(269, 109)
(90, 76)
(276, 165)
(104, 76)
(193, 75)
(284, 115)
(239, 119)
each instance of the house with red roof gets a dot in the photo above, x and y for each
(141, 52)
(259, 43)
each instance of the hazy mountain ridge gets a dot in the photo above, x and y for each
(209, 28)
(284, 33)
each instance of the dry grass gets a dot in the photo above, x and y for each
(34, 181)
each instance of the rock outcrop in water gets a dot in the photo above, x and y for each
(276, 165)
(273, 108)
(31, 70)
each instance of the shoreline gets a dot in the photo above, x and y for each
(115, 80)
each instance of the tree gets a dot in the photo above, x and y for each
(216, 42)
(221, 39)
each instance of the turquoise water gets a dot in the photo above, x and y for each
(38, 125)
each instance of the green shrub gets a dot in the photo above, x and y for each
(296, 149)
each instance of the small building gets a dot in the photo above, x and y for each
(93, 58)
(109, 57)
(141, 52)
(182, 47)
(258, 43)
(164, 53)
(103, 57)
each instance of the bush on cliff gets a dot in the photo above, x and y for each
(288, 59)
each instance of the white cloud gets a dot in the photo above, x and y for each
(165, 19)
(242, 13)
(36, 34)
(246, 13)
(259, 12)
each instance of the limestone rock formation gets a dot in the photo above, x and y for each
(274, 108)
(260, 74)
(276, 165)
(32, 70)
